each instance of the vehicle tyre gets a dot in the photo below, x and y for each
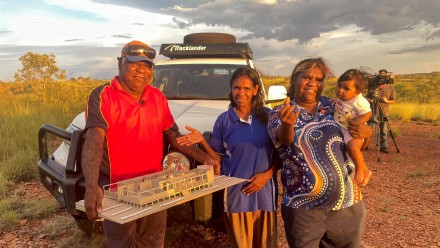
(89, 226)
(207, 38)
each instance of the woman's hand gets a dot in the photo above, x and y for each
(194, 137)
(287, 114)
(360, 131)
(257, 182)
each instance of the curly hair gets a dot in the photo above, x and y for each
(257, 101)
(306, 65)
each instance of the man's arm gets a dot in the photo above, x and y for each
(386, 100)
(195, 137)
(91, 161)
(171, 134)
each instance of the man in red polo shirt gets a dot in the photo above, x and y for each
(126, 121)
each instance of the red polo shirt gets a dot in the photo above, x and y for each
(134, 140)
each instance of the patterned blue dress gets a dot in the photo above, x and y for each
(316, 169)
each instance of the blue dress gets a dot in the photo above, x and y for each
(246, 149)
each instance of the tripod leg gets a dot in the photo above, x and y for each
(392, 135)
(376, 133)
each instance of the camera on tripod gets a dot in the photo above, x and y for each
(384, 77)
(379, 118)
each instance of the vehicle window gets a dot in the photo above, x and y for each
(194, 81)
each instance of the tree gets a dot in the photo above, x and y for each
(38, 69)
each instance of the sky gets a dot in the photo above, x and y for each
(86, 36)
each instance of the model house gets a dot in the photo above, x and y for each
(158, 187)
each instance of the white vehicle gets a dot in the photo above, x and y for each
(195, 78)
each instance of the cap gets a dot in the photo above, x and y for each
(136, 51)
(383, 71)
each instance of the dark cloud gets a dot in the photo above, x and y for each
(126, 36)
(301, 20)
(5, 32)
(70, 40)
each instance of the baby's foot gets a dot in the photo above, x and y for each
(362, 177)
(359, 177)
(367, 176)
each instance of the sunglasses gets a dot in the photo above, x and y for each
(136, 50)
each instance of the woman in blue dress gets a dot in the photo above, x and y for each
(241, 143)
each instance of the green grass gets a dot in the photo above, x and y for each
(8, 219)
(5, 187)
(416, 112)
(417, 173)
(24, 113)
(18, 207)
(72, 236)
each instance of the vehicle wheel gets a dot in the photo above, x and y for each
(206, 38)
(89, 226)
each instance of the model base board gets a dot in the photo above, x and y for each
(122, 212)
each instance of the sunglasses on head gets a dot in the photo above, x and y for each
(136, 50)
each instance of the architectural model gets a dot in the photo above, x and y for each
(132, 199)
(161, 186)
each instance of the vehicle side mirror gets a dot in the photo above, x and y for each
(276, 93)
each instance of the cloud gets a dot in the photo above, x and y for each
(5, 32)
(126, 36)
(70, 40)
(301, 20)
(420, 49)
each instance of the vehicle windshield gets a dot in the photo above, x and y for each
(194, 81)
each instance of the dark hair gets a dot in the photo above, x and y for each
(257, 101)
(358, 76)
(383, 71)
(306, 65)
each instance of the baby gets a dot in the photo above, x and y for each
(352, 107)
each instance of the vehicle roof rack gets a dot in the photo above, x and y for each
(225, 50)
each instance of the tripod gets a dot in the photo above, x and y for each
(379, 120)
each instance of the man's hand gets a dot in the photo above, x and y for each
(194, 137)
(385, 100)
(93, 202)
(215, 164)
(287, 114)
(256, 182)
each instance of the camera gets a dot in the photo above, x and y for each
(376, 80)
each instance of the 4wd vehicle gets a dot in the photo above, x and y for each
(194, 78)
